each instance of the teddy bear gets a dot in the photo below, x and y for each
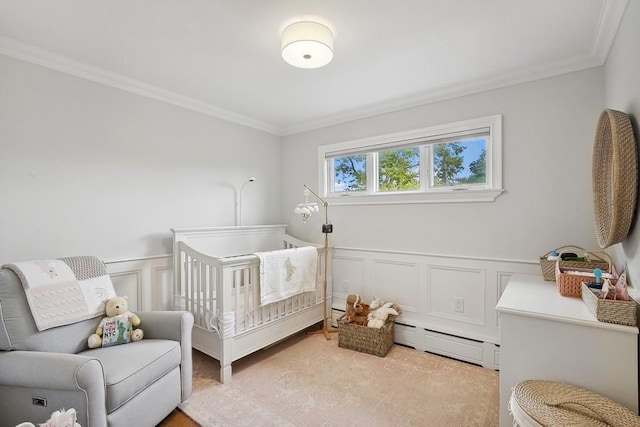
(355, 310)
(350, 310)
(117, 326)
(362, 311)
(378, 317)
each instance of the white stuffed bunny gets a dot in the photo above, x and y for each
(59, 418)
(377, 318)
(62, 418)
(375, 304)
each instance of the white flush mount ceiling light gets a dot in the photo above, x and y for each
(307, 44)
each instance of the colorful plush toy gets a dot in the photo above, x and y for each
(117, 327)
(378, 317)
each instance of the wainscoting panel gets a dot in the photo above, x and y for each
(162, 285)
(351, 273)
(448, 302)
(147, 282)
(402, 277)
(457, 294)
(129, 284)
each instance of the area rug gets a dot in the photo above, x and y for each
(309, 381)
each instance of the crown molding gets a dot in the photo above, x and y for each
(610, 18)
(28, 53)
(609, 21)
(474, 87)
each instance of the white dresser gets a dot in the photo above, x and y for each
(544, 335)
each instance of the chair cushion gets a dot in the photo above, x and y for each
(131, 368)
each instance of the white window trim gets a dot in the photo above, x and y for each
(456, 194)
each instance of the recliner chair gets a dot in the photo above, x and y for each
(135, 384)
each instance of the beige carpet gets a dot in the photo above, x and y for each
(309, 381)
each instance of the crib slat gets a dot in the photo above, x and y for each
(205, 282)
(210, 297)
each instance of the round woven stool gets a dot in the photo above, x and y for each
(536, 403)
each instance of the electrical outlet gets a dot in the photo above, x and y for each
(345, 286)
(458, 305)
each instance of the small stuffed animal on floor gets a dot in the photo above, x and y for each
(117, 327)
(59, 418)
(377, 318)
(62, 418)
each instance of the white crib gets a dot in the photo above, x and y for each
(216, 277)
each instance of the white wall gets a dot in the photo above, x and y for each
(548, 128)
(88, 169)
(622, 88)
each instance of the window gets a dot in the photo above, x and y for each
(450, 163)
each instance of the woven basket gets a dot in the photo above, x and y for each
(365, 339)
(570, 285)
(609, 310)
(615, 177)
(552, 403)
(548, 267)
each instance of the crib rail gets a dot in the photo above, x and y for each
(223, 294)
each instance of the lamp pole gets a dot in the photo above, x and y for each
(326, 229)
(239, 202)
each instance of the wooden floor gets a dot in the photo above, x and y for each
(178, 419)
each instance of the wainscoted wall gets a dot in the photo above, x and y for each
(147, 282)
(448, 302)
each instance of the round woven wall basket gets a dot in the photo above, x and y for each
(615, 177)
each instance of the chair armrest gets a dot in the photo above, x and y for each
(41, 370)
(168, 325)
(57, 371)
(176, 326)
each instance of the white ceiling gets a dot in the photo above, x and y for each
(222, 57)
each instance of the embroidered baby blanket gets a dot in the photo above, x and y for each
(66, 290)
(287, 272)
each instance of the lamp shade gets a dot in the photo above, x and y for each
(307, 44)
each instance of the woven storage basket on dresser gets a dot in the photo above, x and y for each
(548, 267)
(570, 285)
(609, 310)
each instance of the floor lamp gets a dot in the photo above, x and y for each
(307, 209)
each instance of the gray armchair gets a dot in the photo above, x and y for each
(136, 384)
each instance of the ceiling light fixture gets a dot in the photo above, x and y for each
(307, 44)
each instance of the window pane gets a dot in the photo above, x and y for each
(460, 162)
(399, 170)
(350, 173)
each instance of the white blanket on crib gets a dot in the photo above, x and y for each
(287, 272)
